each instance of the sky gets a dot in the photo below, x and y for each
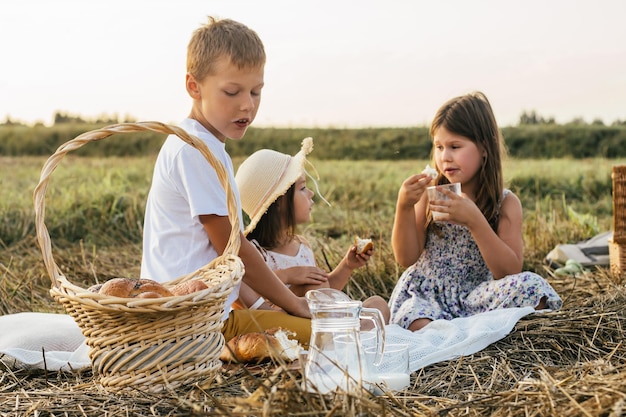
(330, 63)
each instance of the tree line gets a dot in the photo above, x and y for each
(536, 138)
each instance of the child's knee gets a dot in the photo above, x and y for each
(380, 304)
(419, 324)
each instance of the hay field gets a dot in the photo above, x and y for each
(570, 362)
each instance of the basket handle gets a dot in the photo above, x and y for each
(43, 236)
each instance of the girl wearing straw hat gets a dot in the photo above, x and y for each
(275, 196)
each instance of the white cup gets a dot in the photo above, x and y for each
(435, 194)
(368, 339)
(393, 373)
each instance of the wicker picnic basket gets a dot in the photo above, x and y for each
(617, 246)
(154, 343)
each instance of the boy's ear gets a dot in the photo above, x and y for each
(192, 86)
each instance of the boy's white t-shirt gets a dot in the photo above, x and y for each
(184, 186)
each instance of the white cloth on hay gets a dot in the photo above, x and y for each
(26, 337)
(42, 341)
(443, 340)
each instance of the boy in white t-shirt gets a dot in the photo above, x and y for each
(186, 221)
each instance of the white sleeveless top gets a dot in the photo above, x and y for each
(278, 261)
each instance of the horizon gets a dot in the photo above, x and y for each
(108, 119)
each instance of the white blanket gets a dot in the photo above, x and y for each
(42, 340)
(26, 338)
(443, 340)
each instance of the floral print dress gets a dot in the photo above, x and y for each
(450, 279)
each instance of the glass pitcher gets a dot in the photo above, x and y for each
(336, 358)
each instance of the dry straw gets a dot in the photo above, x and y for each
(570, 362)
(156, 343)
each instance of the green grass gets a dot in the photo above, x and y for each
(95, 213)
(88, 198)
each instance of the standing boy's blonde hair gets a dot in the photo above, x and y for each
(223, 38)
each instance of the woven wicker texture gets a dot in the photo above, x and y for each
(617, 247)
(618, 176)
(152, 343)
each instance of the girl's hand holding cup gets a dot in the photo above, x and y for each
(436, 196)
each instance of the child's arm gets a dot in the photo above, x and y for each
(258, 275)
(338, 278)
(408, 236)
(261, 279)
(502, 251)
(302, 275)
(248, 298)
(300, 278)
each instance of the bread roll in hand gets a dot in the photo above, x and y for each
(363, 245)
(431, 172)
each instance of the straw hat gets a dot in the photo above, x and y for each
(266, 175)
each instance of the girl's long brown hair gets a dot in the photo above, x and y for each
(471, 116)
(269, 230)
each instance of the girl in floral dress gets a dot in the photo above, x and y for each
(275, 196)
(471, 261)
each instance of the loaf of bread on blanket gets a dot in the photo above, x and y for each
(259, 347)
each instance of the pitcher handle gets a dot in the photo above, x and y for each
(375, 316)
